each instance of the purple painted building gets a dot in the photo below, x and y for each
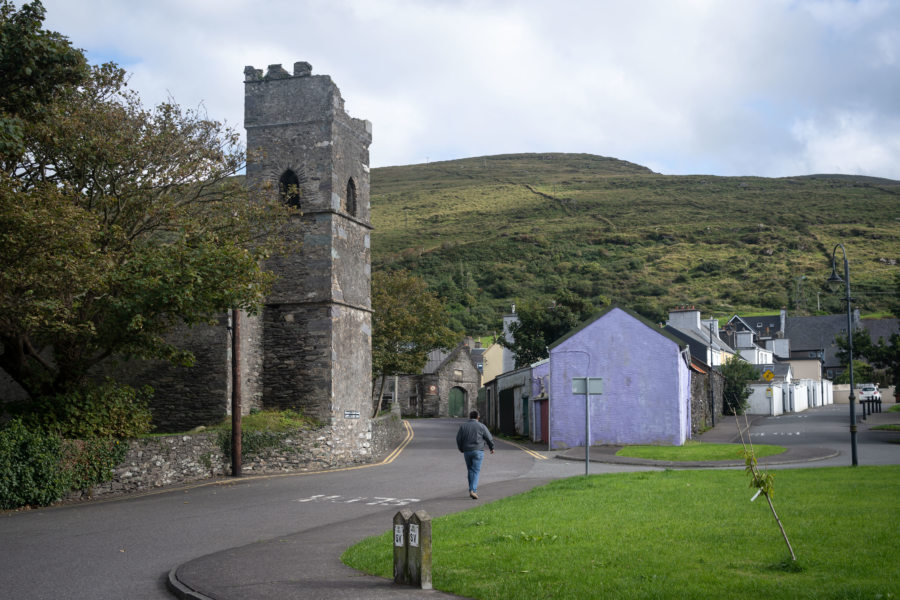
(646, 383)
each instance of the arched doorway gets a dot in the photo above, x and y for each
(457, 402)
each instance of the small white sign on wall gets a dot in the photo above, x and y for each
(398, 535)
(414, 535)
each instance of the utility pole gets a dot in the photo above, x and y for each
(236, 393)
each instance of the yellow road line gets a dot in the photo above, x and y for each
(409, 436)
(528, 451)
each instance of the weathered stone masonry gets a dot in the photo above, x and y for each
(315, 331)
(152, 463)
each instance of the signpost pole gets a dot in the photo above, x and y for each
(587, 386)
(587, 432)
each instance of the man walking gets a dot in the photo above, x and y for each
(470, 439)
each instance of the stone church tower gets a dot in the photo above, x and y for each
(313, 339)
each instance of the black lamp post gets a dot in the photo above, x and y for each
(835, 278)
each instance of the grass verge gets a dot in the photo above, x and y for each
(889, 427)
(670, 534)
(697, 451)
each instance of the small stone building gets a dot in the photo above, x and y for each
(447, 387)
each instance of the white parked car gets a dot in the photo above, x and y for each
(869, 391)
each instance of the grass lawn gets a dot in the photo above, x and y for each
(671, 534)
(889, 427)
(697, 451)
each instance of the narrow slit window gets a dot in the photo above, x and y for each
(351, 197)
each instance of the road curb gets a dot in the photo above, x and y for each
(791, 456)
(181, 591)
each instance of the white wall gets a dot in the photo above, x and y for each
(761, 403)
(798, 397)
(756, 356)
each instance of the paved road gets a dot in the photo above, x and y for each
(124, 548)
(829, 426)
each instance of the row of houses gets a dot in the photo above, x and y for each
(659, 381)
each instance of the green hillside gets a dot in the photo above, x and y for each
(486, 232)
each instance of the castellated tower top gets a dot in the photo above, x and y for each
(301, 69)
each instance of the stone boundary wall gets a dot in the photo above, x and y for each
(153, 463)
(842, 393)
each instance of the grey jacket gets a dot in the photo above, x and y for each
(473, 435)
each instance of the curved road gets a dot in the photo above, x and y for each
(124, 548)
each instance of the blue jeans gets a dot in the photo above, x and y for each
(473, 464)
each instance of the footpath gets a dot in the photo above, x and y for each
(307, 564)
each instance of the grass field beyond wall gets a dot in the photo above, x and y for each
(671, 534)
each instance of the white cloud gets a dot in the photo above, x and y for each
(847, 142)
(736, 87)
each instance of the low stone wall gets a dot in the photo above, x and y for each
(179, 459)
(842, 393)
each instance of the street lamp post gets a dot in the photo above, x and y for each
(835, 278)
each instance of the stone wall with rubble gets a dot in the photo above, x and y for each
(158, 462)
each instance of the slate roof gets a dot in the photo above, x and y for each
(438, 357)
(435, 359)
(808, 334)
(765, 326)
(698, 342)
(881, 328)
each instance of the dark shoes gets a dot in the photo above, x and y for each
(473, 495)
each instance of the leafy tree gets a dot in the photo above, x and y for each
(409, 322)
(738, 373)
(117, 223)
(35, 65)
(539, 326)
(862, 372)
(883, 355)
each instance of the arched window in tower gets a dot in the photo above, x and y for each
(351, 197)
(289, 188)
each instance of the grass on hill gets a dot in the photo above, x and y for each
(670, 535)
(486, 232)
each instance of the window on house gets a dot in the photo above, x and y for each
(350, 205)
(289, 188)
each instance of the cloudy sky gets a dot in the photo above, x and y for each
(723, 87)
